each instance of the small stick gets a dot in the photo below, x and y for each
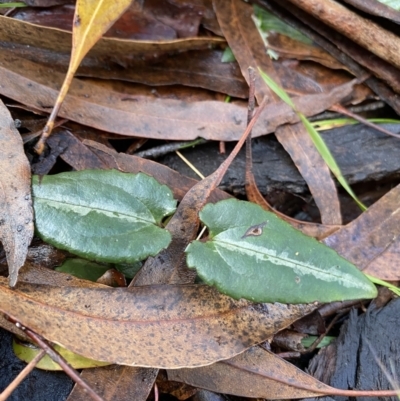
(340, 109)
(315, 344)
(250, 111)
(155, 392)
(57, 358)
(21, 376)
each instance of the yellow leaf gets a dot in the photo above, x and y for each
(91, 20)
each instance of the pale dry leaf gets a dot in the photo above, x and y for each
(16, 214)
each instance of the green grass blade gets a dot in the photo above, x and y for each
(383, 283)
(315, 137)
(12, 5)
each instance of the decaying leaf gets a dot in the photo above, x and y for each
(143, 116)
(248, 47)
(259, 369)
(19, 33)
(255, 255)
(106, 216)
(154, 326)
(16, 216)
(371, 241)
(132, 383)
(253, 194)
(91, 20)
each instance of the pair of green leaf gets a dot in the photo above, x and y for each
(110, 216)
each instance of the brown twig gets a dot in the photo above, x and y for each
(155, 392)
(315, 344)
(21, 376)
(342, 110)
(57, 358)
(250, 112)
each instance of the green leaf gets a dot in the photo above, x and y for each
(395, 4)
(12, 5)
(83, 269)
(255, 255)
(267, 22)
(228, 56)
(129, 270)
(106, 216)
(27, 351)
(307, 342)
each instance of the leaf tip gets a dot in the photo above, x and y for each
(13, 278)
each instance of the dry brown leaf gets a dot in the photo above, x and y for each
(287, 47)
(138, 22)
(363, 31)
(91, 20)
(43, 44)
(359, 60)
(247, 45)
(74, 152)
(201, 68)
(151, 326)
(16, 218)
(372, 241)
(253, 194)
(133, 383)
(148, 117)
(14, 32)
(259, 369)
(35, 274)
(298, 143)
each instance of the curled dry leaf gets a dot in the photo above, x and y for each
(16, 216)
(152, 326)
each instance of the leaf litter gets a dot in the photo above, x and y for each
(178, 273)
(16, 219)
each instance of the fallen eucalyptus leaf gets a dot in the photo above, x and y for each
(255, 255)
(106, 216)
(16, 215)
(91, 20)
(165, 326)
(257, 368)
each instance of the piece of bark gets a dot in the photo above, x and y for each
(362, 153)
(366, 346)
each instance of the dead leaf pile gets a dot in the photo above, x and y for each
(111, 77)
